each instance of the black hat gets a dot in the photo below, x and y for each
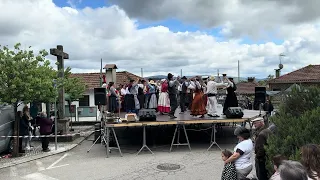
(230, 78)
(131, 80)
(184, 77)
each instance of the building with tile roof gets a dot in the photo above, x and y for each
(306, 76)
(247, 88)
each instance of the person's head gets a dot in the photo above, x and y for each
(277, 160)
(225, 154)
(131, 81)
(43, 115)
(111, 84)
(258, 122)
(242, 133)
(143, 81)
(292, 170)
(310, 158)
(231, 79)
(170, 76)
(25, 109)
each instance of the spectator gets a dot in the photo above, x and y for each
(229, 171)
(261, 135)
(242, 153)
(292, 170)
(310, 158)
(276, 160)
(45, 129)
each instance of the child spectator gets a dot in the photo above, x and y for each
(229, 171)
(276, 160)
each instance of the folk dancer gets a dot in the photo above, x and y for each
(141, 95)
(131, 99)
(198, 107)
(113, 96)
(231, 99)
(164, 102)
(183, 94)
(211, 94)
(204, 89)
(152, 101)
(172, 91)
(122, 95)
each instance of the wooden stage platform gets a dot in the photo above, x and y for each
(180, 122)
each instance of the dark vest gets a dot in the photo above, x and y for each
(140, 91)
(184, 88)
(172, 90)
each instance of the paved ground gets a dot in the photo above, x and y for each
(78, 164)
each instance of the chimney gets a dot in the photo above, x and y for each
(277, 72)
(251, 79)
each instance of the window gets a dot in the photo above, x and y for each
(84, 101)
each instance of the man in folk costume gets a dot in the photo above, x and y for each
(172, 91)
(183, 94)
(152, 101)
(231, 99)
(212, 96)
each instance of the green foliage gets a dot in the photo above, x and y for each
(24, 76)
(298, 123)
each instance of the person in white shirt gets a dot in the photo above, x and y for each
(242, 153)
(211, 94)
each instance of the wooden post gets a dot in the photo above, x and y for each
(58, 52)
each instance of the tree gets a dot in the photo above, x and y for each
(74, 87)
(297, 123)
(23, 78)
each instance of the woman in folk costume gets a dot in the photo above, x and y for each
(113, 96)
(231, 99)
(141, 96)
(131, 99)
(198, 107)
(152, 101)
(164, 101)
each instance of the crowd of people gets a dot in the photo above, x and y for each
(238, 163)
(196, 94)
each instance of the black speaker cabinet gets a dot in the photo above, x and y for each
(234, 112)
(100, 96)
(259, 96)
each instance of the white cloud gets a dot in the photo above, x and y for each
(91, 34)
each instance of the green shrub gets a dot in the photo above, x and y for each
(298, 123)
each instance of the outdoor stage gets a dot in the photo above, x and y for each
(180, 124)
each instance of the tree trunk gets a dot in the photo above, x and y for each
(48, 109)
(15, 152)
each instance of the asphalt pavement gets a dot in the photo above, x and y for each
(199, 164)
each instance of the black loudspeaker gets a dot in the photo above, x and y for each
(147, 115)
(234, 112)
(100, 96)
(259, 97)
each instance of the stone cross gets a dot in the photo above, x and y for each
(58, 52)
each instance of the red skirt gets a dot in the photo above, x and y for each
(198, 107)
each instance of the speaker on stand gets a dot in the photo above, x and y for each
(259, 97)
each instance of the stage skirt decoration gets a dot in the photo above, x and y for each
(164, 103)
(198, 107)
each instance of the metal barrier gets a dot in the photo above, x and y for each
(87, 111)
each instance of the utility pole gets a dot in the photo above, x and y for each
(238, 71)
(181, 73)
(141, 72)
(101, 74)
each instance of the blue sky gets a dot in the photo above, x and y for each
(173, 24)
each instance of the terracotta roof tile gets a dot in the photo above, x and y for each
(309, 73)
(246, 87)
(92, 80)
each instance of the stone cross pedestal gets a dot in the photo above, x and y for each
(63, 122)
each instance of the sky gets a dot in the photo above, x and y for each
(161, 36)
